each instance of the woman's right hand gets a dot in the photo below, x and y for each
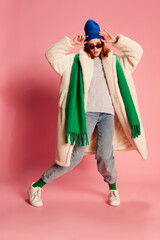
(78, 40)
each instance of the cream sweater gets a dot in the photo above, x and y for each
(99, 99)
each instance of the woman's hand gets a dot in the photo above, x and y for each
(107, 36)
(78, 40)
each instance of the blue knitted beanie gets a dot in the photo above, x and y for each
(92, 30)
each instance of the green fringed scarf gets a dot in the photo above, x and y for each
(75, 119)
(75, 111)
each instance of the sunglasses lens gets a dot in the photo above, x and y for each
(91, 46)
(99, 45)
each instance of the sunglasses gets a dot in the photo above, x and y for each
(92, 46)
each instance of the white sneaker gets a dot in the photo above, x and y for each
(34, 194)
(113, 197)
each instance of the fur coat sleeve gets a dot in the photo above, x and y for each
(57, 55)
(131, 52)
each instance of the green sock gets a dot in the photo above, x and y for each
(112, 186)
(40, 183)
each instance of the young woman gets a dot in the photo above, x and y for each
(107, 125)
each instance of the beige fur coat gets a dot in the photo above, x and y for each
(131, 53)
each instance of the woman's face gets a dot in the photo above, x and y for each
(95, 52)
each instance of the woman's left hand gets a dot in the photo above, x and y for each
(109, 38)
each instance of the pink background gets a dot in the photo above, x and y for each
(74, 206)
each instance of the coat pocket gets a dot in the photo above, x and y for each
(62, 98)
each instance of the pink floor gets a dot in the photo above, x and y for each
(75, 209)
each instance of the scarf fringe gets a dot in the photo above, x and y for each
(79, 139)
(135, 131)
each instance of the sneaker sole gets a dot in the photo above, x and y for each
(114, 204)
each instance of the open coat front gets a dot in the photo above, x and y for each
(131, 53)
